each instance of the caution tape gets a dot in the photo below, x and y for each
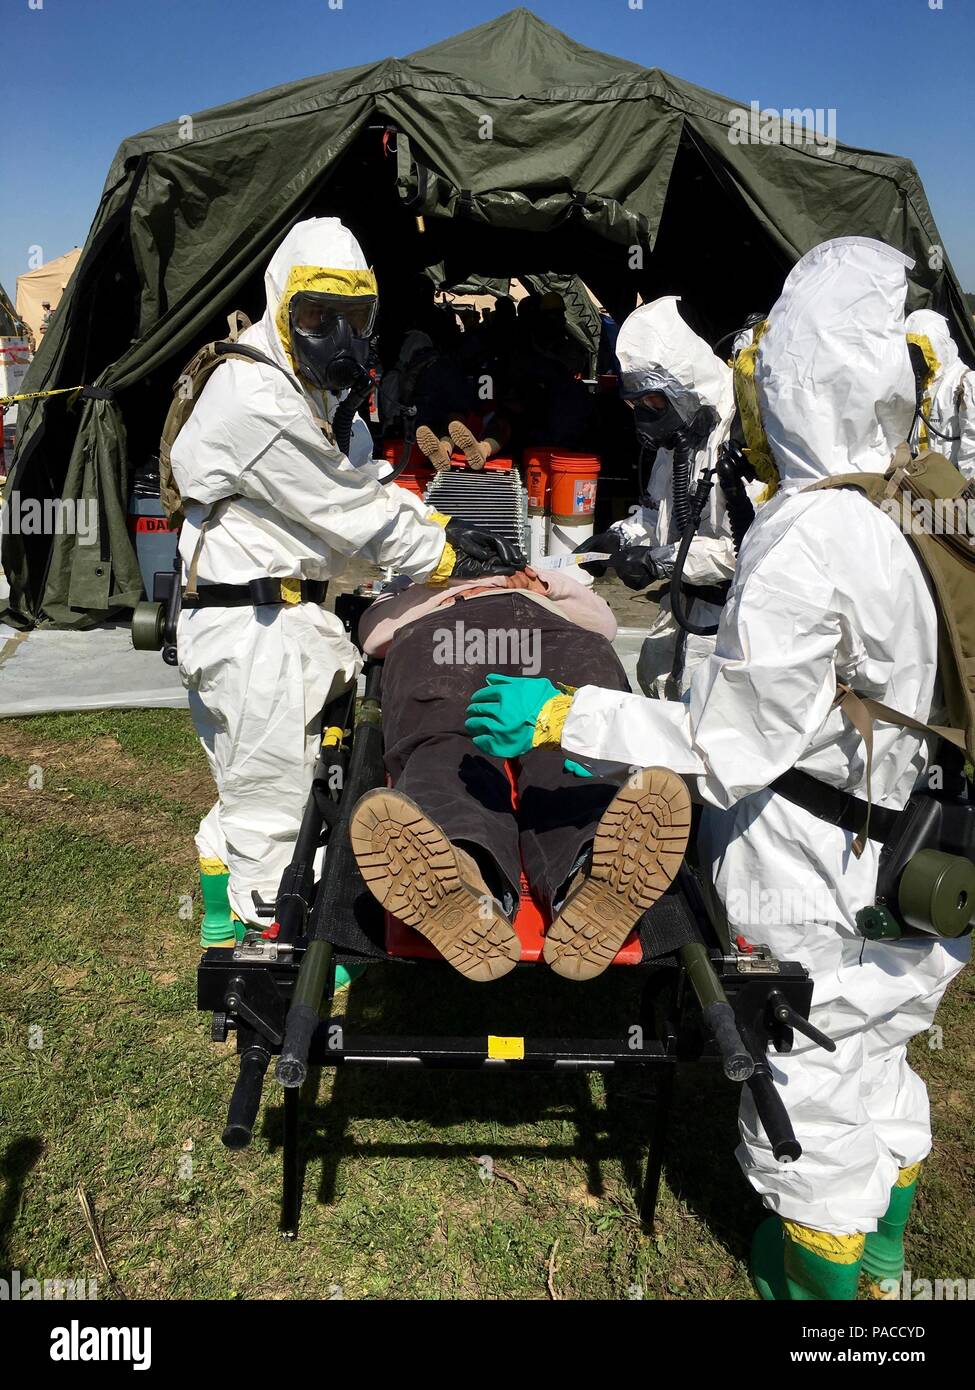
(37, 395)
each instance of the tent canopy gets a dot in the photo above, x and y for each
(506, 150)
(10, 322)
(45, 285)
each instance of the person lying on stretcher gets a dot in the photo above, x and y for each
(444, 848)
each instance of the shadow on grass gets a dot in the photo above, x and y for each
(19, 1157)
(699, 1163)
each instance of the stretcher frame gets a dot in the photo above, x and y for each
(258, 991)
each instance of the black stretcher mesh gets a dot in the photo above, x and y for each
(668, 925)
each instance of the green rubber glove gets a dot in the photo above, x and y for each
(570, 765)
(501, 717)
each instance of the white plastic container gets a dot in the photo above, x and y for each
(14, 361)
(538, 523)
(565, 535)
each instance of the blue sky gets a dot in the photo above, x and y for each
(79, 75)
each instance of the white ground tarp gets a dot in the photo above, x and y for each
(46, 671)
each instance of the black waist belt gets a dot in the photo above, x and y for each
(257, 591)
(710, 593)
(837, 807)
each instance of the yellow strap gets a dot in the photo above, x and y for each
(445, 565)
(551, 721)
(212, 865)
(332, 737)
(758, 450)
(291, 590)
(839, 1250)
(439, 518)
(908, 1176)
(508, 1048)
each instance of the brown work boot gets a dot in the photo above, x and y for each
(476, 451)
(411, 867)
(436, 450)
(639, 846)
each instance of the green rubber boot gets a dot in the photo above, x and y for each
(220, 926)
(793, 1263)
(883, 1255)
(346, 974)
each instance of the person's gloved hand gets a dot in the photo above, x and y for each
(607, 542)
(635, 565)
(512, 714)
(480, 551)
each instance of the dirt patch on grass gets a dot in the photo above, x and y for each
(132, 828)
(102, 759)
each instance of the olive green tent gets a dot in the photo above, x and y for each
(507, 150)
(581, 315)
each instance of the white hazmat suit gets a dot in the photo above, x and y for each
(827, 588)
(258, 677)
(655, 338)
(949, 401)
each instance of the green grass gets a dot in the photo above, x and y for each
(123, 1092)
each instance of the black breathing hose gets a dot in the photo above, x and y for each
(732, 468)
(949, 438)
(701, 494)
(682, 480)
(409, 436)
(345, 415)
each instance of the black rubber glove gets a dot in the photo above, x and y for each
(635, 566)
(608, 542)
(480, 552)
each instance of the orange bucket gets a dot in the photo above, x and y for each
(538, 478)
(574, 478)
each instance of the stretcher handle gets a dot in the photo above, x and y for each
(718, 1015)
(303, 1015)
(246, 1099)
(772, 1113)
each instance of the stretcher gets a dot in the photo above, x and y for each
(275, 991)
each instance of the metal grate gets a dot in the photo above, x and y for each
(497, 501)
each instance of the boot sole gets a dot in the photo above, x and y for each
(638, 849)
(430, 446)
(467, 443)
(409, 866)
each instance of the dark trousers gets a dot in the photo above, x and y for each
(432, 669)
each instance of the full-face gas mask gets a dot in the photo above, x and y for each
(330, 338)
(668, 416)
(657, 425)
(662, 406)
